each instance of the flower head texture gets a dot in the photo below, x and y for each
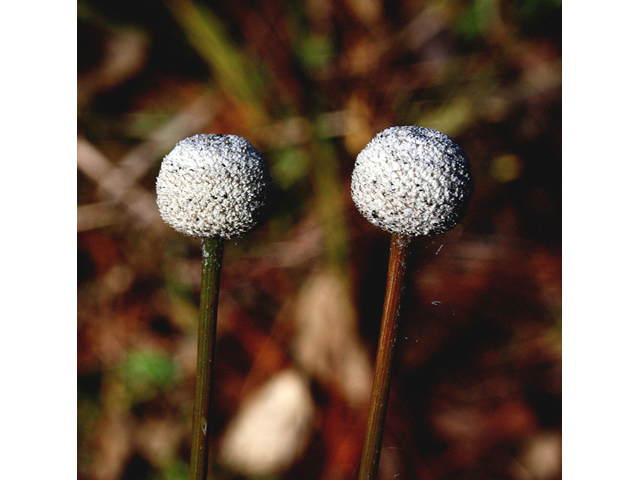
(213, 185)
(412, 181)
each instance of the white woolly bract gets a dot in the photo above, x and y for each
(213, 185)
(412, 181)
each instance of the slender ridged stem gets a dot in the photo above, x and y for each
(211, 266)
(384, 357)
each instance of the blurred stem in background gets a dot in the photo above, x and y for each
(330, 203)
(243, 81)
(228, 69)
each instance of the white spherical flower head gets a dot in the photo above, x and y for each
(213, 185)
(412, 181)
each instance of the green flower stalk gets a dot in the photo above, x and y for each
(408, 181)
(214, 187)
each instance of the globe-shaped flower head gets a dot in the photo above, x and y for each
(412, 181)
(213, 185)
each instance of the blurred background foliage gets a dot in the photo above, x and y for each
(477, 377)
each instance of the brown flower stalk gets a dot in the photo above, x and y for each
(409, 181)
